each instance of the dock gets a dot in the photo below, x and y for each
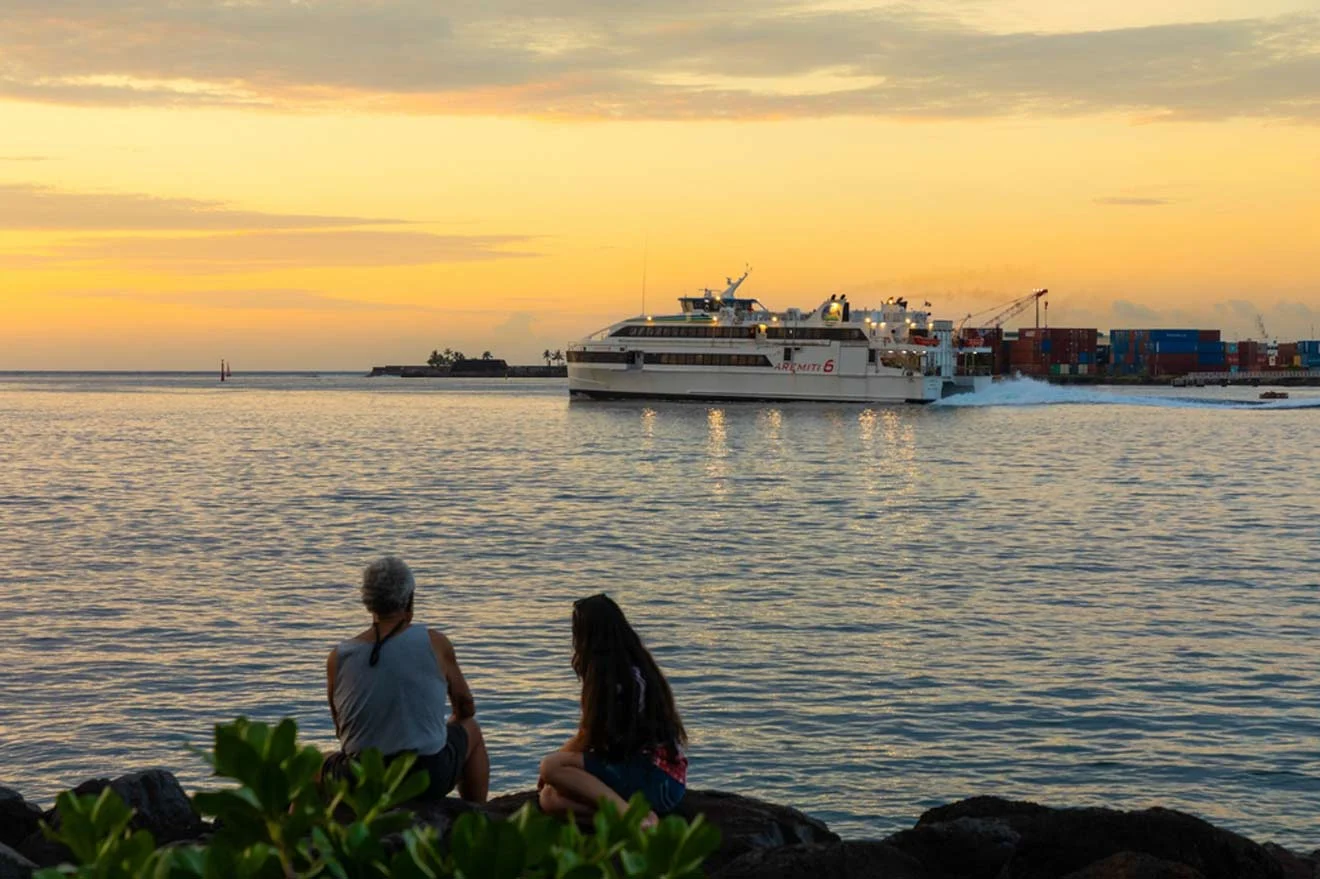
(1288, 378)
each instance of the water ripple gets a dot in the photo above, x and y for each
(864, 611)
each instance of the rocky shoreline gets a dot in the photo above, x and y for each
(977, 838)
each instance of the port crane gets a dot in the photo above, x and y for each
(1000, 313)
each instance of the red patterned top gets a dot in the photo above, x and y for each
(672, 762)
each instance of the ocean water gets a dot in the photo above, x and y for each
(1077, 596)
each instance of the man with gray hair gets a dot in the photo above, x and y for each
(388, 685)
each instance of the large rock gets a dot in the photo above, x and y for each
(961, 848)
(18, 818)
(13, 865)
(991, 838)
(159, 803)
(824, 860)
(1131, 865)
(1295, 866)
(441, 814)
(746, 824)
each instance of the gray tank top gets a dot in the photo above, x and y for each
(400, 704)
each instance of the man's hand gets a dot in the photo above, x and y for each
(464, 705)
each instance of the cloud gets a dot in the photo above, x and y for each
(1296, 311)
(24, 158)
(29, 207)
(1236, 318)
(1241, 308)
(662, 59)
(262, 251)
(1133, 201)
(1124, 310)
(274, 300)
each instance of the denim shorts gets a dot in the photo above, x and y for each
(635, 774)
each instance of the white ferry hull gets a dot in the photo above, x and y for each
(687, 383)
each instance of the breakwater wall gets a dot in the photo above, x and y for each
(499, 370)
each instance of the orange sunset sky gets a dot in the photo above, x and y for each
(322, 184)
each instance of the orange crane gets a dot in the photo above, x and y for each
(1001, 313)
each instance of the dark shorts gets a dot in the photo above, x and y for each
(442, 767)
(638, 774)
(445, 766)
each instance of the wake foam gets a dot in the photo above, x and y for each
(1022, 391)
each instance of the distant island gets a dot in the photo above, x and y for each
(454, 364)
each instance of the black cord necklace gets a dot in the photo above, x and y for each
(380, 642)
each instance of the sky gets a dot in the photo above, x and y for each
(337, 184)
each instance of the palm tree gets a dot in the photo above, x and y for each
(547, 356)
(558, 356)
(486, 355)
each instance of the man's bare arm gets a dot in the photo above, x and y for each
(331, 668)
(460, 694)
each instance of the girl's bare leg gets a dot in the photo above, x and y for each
(565, 771)
(552, 802)
(567, 774)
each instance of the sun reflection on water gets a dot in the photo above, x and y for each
(1046, 603)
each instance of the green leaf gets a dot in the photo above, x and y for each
(540, 832)
(510, 852)
(408, 789)
(283, 742)
(272, 789)
(189, 861)
(678, 849)
(235, 757)
(398, 769)
(301, 769)
(464, 834)
(257, 735)
(391, 822)
(583, 871)
(405, 865)
(634, 862)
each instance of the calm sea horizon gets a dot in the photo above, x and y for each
(1079, 596)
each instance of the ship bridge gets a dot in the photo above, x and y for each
(713, 302)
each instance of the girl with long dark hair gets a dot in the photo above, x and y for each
(630, 737)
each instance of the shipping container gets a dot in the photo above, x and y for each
(1173, 346)
(1209, 335)
(1172, 364)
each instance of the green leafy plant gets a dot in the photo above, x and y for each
(282, 821)
(95, 828)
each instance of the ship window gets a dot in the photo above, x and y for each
(597, 357)
(788, 355)
(675, 359)
(870, 355)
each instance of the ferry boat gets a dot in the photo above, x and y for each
(725, 346)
